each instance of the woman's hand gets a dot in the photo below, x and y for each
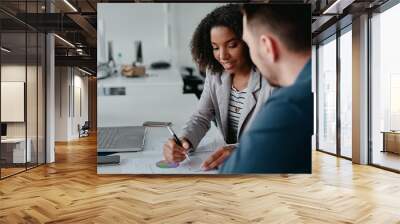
(174, 153)
(217, 158)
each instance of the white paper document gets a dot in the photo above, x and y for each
(145, 162)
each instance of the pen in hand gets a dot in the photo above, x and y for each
(177, 141)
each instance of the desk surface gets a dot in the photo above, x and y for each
(157, 102)
(145, 103)
(144, 162)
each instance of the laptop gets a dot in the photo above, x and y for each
(121, 139)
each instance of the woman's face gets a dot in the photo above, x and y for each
(228, 49)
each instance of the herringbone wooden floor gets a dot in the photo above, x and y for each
(70, 191)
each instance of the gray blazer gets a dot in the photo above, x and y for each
(214, 103)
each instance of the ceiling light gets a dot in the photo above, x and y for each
(86, 72)
(70, 5)
(5, 50)
(337, 7)
(65, 41)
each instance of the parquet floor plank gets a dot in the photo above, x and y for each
(70, 191)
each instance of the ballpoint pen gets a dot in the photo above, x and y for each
(177, 141)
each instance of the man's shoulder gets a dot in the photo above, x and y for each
(288, 106)
(297, 92)
(278, 112)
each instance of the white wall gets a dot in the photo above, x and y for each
(82, 82)
(62, 81)
(126, 23)
(17, 73)
(165, 30)
(70, 83)
(80, 109)
(12, 101)
(14, 73)
(186, 18)
(33, 125)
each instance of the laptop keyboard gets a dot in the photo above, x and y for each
(120, 138)
(106, 137)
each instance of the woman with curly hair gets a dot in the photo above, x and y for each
(233, 89)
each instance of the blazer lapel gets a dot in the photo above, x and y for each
(251, 100)
(223, 94)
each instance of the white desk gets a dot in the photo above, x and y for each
(160, 102)
(144, 162)
(166, 81)
(144, 103)
(19, 154)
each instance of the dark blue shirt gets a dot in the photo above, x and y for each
(279, 140)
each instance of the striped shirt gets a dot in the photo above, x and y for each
(237, 100)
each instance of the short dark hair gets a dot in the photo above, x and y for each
(291, 23)
(228, 16)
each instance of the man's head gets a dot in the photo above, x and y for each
(276, 34)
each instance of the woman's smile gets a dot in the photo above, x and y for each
(228, 65)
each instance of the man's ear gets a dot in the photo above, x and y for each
(268, 48)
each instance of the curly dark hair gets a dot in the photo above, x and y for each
(229, 16)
